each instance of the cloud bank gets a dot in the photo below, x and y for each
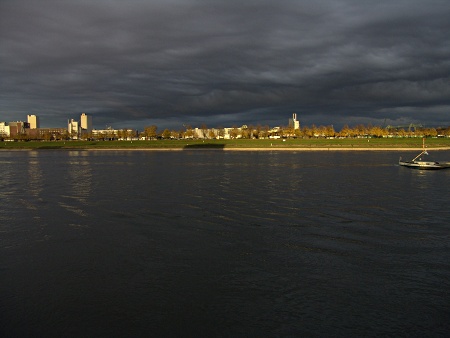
(222, 63)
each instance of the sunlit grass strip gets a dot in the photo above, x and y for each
(372, 143)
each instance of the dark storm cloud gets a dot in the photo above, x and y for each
(225, 62)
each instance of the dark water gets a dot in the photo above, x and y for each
(214, 243)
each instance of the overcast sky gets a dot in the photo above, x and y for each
(223, 63)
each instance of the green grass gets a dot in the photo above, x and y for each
(372, 143)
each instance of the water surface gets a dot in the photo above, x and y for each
(218, 243)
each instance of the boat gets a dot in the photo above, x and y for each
(418, 163)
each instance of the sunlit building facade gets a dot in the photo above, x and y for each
(293, 122)
(4, 129)
(86, 123)
(33, 121)
(73, 127)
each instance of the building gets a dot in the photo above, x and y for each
(86, 123)
(52, 133)
(33, 121)
(17, 128)
(106, 134)
(4, 130)
(73, 127)
(293, 123)
(79, 128)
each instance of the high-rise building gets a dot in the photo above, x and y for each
(73, 128)
(86, 123)
(33, 121)
(293, 122)
(4, 129)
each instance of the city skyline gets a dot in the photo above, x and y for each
(191, 62)
(85, 124)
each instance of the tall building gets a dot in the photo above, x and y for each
(4, 129)
(86, 123)
(293, 122)
(73, 128)
(33, 121)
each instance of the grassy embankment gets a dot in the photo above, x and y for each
(373, 143)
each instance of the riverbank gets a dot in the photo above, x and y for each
(240, 145)
(258, 149)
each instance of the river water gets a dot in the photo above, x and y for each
(222, 244)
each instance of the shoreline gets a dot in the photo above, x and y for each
(266, 149)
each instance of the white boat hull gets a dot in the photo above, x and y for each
(424, 165)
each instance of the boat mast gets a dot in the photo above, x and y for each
(423, 150)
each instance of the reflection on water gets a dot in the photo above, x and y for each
(80, 175)
(78, 184)
(8, 191)
(424, 180)
(35, 175)
(7, 178)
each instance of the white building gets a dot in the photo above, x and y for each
(4, 129)
(110, 133)
(33, 121)
(73, 127)
(76, 128)
(86, 123)
(293, 123)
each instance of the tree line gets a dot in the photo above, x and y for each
(262, 132)
(246, 132)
